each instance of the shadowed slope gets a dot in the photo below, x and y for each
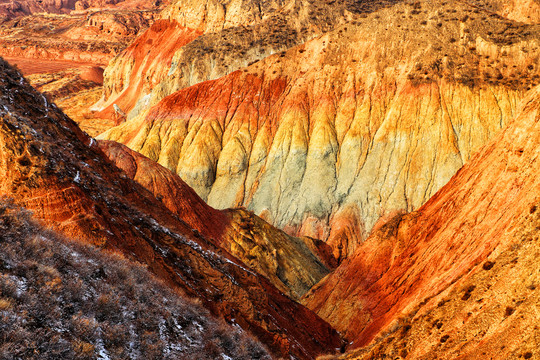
(175, 194)
(62, 300)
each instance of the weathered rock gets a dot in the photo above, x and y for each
(456, 278)
(48, 165)
(291, 264)
(371, 118)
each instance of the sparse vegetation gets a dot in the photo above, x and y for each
(61, 300)
(509, 311)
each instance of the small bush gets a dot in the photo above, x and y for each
(445, 338)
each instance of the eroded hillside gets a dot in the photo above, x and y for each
(371, 118)
(48, 165)
(291, 264)
(233, 34)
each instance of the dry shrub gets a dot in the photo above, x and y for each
(62, 300)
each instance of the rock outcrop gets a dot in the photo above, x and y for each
(291, 264)
(48, 165)
(457, 278)
(371, 118)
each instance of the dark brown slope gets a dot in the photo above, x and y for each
(48, 165)
(458, 268)
(69, 301)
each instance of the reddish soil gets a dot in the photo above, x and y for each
(39, 66)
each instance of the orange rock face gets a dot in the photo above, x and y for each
(456, 270)
(93, 74)
(369, 119)
(52, 168)
(139, 73)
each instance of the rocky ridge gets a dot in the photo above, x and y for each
(456, 278)
(369, 119)
(51, 167)
(10, 9)
(289, 263)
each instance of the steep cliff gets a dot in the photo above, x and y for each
(371, 118)
(48, 165)
(289, 263)
(458, 277)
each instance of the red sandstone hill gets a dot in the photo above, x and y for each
(230, 35)
(51, 167)
(456, 279)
